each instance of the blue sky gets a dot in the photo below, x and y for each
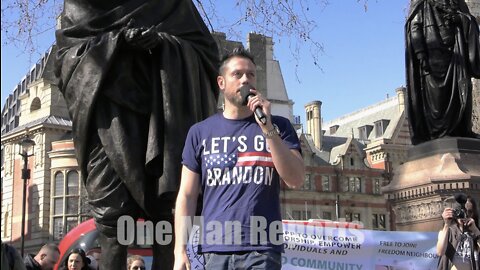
(362, 62)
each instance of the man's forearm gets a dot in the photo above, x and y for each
(184, 209)
(290, 166)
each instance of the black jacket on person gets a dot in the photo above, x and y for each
(30, 263)
(454, 235)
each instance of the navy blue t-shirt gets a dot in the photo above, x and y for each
(239, 181)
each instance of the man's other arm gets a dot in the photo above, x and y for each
(185, 209)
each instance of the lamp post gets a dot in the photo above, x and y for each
(26, 151)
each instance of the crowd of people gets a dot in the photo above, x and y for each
(49, 255)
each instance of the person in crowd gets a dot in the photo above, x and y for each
(11, 259)
(45, 259)
(135, 262)
(93, 265)
(94, 256)
(459, 240)
(76, 260)
(236, 161)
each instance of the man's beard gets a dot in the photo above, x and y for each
(235, 99)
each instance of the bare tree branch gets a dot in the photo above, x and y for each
(23, 21)
(290, 21)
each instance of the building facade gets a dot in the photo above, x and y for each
(43, 117)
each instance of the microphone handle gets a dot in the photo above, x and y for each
(259, 113)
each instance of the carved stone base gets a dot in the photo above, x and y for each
(435, 171)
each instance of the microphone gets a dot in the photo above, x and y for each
(246, 95)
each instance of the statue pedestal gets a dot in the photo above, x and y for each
(434, 171)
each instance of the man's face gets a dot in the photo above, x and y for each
(237, 72)
(49, 259)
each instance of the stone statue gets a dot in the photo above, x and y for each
(442, 55)
(135, 74)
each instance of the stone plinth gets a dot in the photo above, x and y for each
(434, 171)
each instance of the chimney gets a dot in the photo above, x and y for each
(401, 98)
(314, 125)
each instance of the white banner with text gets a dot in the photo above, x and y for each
(331, 248)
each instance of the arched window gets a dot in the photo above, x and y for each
(58, 191)
(66, 200)
(72, 193)
(36, 104)
(72, 183)
(58, 194)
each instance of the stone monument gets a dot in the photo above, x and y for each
(442, 57)
(135, 76)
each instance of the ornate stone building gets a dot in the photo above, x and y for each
(363, 146)
(42, 115)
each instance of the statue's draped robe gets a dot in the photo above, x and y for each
(139, 104)
(439, 103)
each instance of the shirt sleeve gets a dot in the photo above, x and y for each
(288, 133)
(191, 150)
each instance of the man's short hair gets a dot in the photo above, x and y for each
(50, 247)
(236, 52)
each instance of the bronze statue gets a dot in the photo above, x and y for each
(135, 74)
(442, 55)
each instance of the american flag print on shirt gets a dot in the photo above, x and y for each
(255, 159)
(239, 160)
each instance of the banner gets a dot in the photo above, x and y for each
(313, 247)
(331, 248)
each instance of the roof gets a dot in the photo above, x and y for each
(323, 156)
(51, 120)
(341, 150)
(43, 69)
(385, 110)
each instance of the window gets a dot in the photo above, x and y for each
(377, 186)
(378, 221)
(307, 184)
(297, 120)
(5, 223)
(353, 184)
(58, 194)
(333, 129)
(327, 215)
(66, 202)
(325, 183)
(349, 217)
(380, 127)
(36, 104)
(301, 215)
(364, 132)
(72, 193)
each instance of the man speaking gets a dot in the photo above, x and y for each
(235, 161)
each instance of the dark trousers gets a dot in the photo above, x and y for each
(267, 260)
